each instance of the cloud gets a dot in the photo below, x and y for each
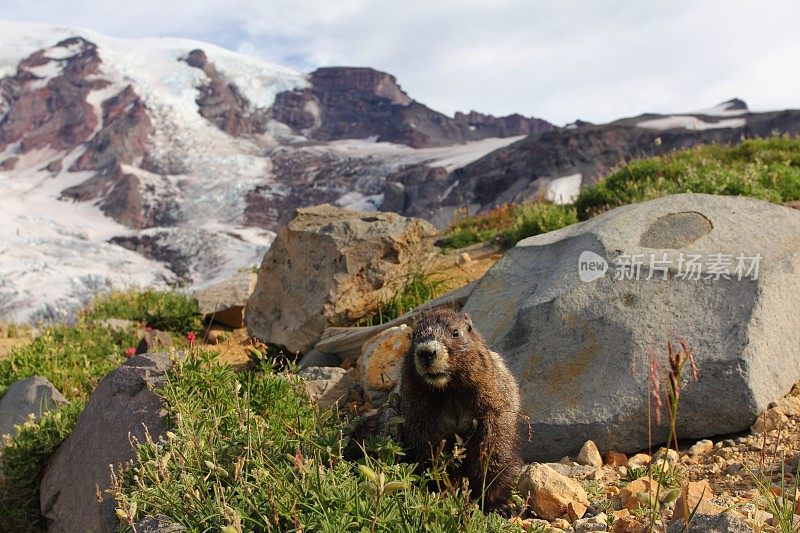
(557, 60)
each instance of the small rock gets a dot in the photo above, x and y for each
(639, 460)
(770, 420)
(30, 396)
(616, 459)
(328, 385)
(729, 442)
(154, 341)
(718, 523)
(627, 524)
(697, 494)
(225, 301)
(550, 494)
(562, 524)
(464, 258)
(627, 496)
(666, 454)
(379, 364)
(790, 406)
(590, 455)
(158, 524)
(573, 470)
(701, 447)
(595, 523)
(733, 468)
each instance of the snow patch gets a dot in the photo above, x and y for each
(355, 201)
(690, 123)
(564, 190)
(721, 110)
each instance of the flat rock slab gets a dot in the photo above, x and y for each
(30, 396)
(120, 409)
(577, 314)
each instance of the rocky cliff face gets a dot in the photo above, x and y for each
(358, 103)
(222, 103)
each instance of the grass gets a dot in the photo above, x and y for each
(73, 358)
(508, 224)
(418, 289)
(167, 311)
(777, 497)
(767, 169)
(248, 452)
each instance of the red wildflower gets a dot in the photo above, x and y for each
(130, 352)
(191, 337)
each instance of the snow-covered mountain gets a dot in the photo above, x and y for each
(154, 162)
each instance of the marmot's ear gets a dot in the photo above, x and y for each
(469, 321)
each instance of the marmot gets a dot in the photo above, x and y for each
(452, 384)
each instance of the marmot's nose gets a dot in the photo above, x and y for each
(425, 355)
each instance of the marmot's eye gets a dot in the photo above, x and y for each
(456, 333)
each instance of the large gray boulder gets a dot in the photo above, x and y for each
(330, 266)
(122, 407)
(30, 396)
(225, 301)
(579, 342)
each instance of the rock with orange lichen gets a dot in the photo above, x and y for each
(379, 364)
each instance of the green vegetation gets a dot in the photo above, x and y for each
(21, 464)
(167, 311)
(508, 224)
(768, 169)
(248, 452)
(73, 358)
(419, 288)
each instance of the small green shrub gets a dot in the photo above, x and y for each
(73, 358)
(508, 224)
(768, 169)
(248, 452)
(419, 288)
(168, 311)
(21, 464)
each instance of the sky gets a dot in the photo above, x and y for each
(559, 60)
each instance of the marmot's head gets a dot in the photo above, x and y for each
(444, 347)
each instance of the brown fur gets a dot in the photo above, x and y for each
(479, 403)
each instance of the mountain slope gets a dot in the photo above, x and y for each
(556, 163)
(172, 161)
